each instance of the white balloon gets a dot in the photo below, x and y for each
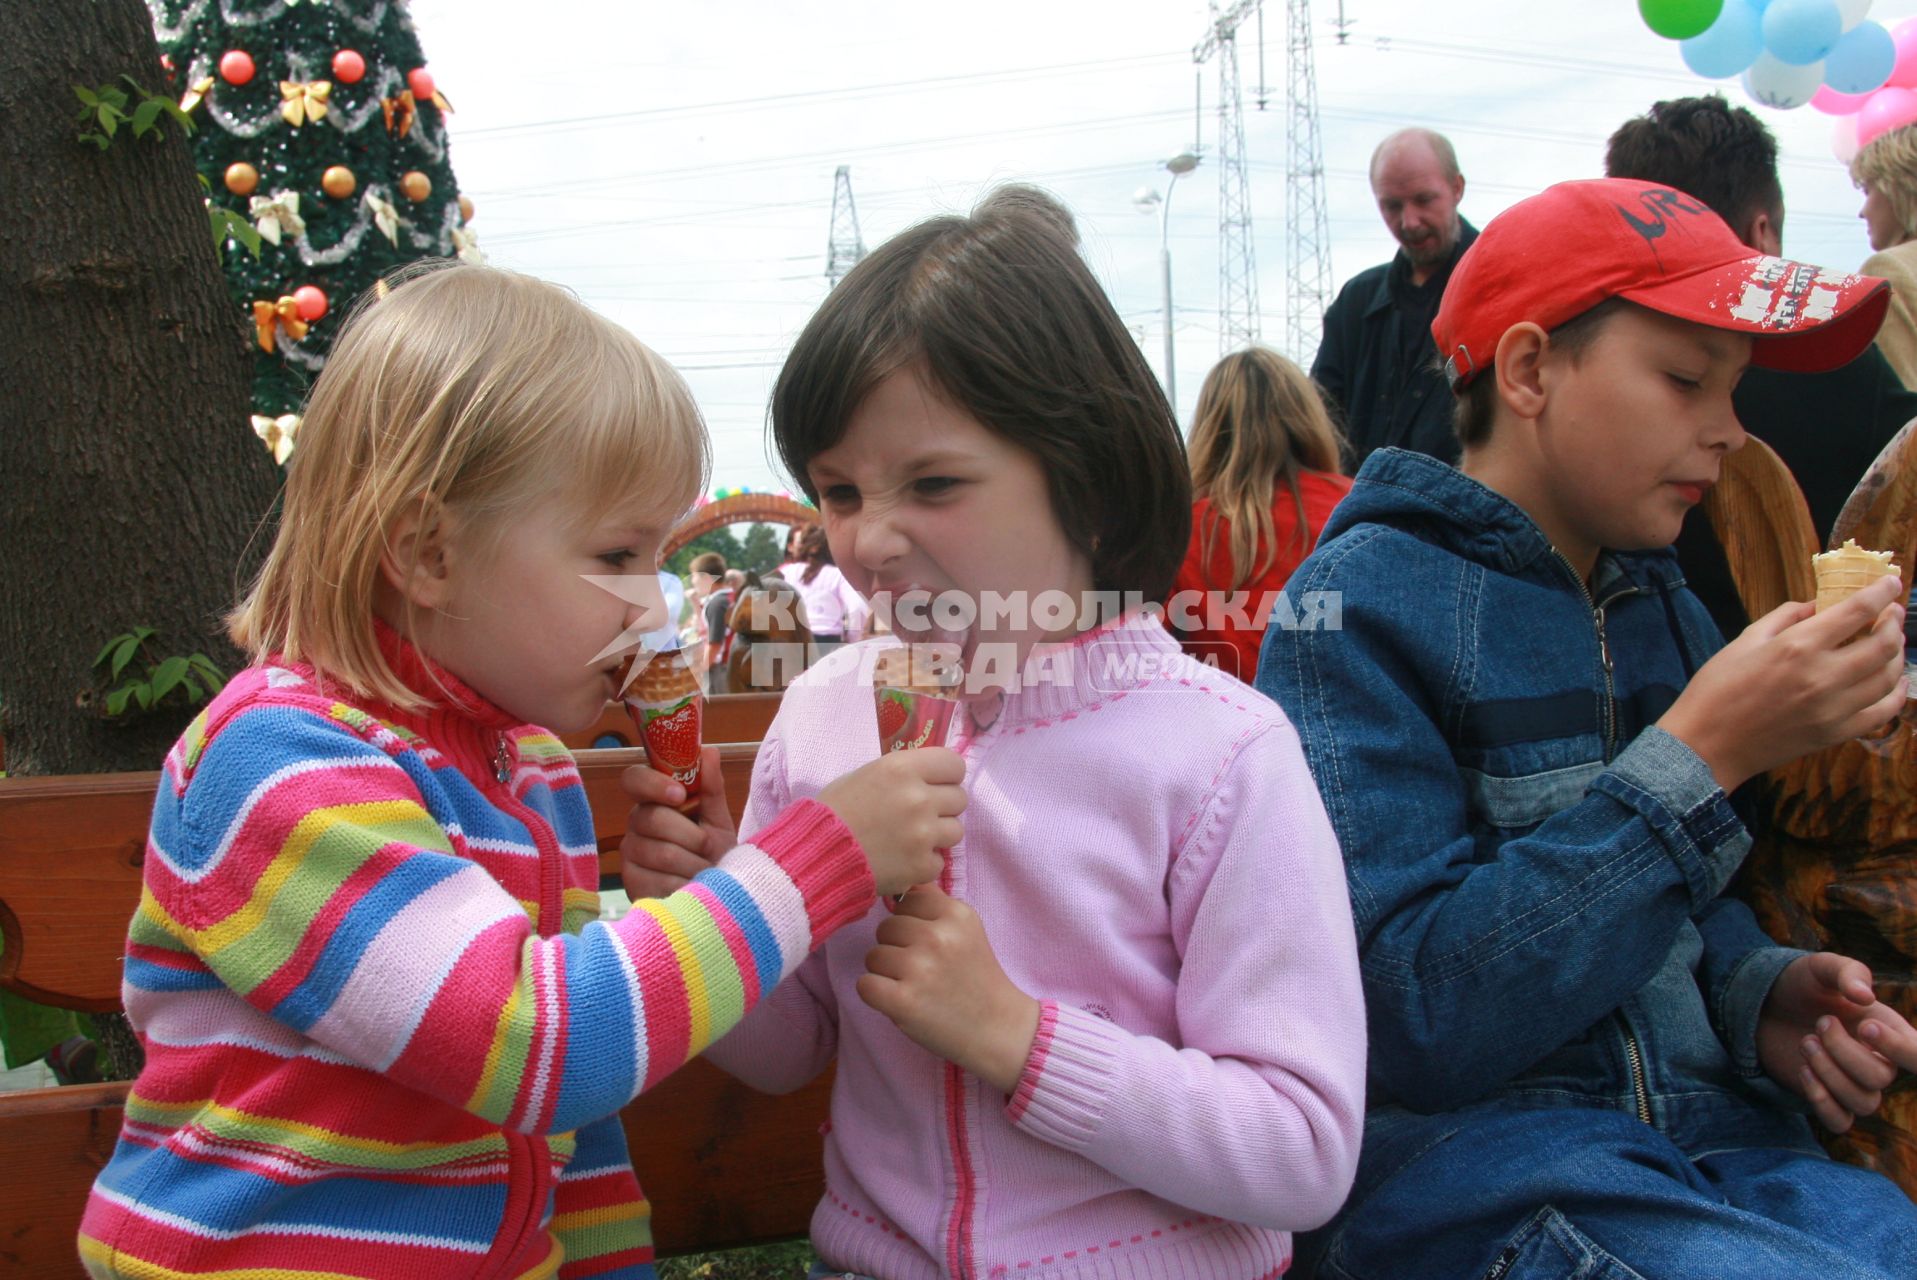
(1843, 139)
(1775, 83)
(1853, 11)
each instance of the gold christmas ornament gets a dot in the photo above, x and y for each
(242, 179)
(303, 102)
(277, 433)
(284, 314)
(465, 208)
(195, 93)
(339, 182)
(415, 186)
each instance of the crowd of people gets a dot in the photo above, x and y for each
(1378, 941)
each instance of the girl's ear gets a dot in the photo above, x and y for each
(416, 560)
(1519, 366)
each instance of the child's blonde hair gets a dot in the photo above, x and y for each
(465, 391)
(1260, 420)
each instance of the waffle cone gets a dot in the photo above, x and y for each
(664, 679)
(929, 670)
(1846, 571)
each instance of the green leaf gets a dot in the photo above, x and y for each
(109, 121)
(86, 96)
(194, 695)
(167, 675)
(210, 675)
(106, 650)
(129, 645)
(116, 701)
(144, 115)
(28, 1030)
(184, 120)
(115, 98)
(144, 696)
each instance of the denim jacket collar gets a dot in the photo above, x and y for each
(1410, 490)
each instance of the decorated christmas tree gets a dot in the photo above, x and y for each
(320, 125)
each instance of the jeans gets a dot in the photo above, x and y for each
(1564, 1193)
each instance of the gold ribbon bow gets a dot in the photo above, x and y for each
(385, 216)
(304, 102)
(400, 111)
(278, 214)
(466, 247)
(278, 434)
(284, 314)
(195, 93)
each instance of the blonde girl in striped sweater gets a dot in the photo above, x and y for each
(385, 1034)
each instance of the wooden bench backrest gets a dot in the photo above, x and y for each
(722, 1165)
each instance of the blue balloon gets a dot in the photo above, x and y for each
(1730, 46)
(1861, 60)
(1801, 32)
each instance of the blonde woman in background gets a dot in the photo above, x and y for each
(1264, 463)
(1886, 172)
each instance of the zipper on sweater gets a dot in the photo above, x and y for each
(1597, 608)
(1634, 1056)
(525, 1153)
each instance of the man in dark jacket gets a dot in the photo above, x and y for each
(1827, 427)
(1376, 362)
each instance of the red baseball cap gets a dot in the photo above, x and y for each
(1551, 258)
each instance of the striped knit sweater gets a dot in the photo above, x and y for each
(385, 1033)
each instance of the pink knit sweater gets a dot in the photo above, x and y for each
(1152, 862)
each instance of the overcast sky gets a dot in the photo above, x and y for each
(673, 162)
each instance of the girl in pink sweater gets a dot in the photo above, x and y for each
(1122, 1035)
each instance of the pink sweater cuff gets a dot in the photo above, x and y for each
(1068, 1078)
(825, 861)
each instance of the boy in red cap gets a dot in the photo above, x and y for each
(1584, 1061)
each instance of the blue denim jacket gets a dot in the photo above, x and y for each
(1534, 867)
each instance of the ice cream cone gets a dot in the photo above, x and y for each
(1846, 571)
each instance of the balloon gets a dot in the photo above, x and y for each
(1843, 139)
(1776, 83)
(1731, 45)
(1861, 60)
(1904, 36)
(1679, 19)
(1833, 103)
(1853, 11)
(1800, 32)
(1888, 108)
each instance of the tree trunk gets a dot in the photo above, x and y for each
(132, 490)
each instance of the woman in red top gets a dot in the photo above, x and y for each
(1264, 464)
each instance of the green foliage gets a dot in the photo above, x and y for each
(28, 1030)
(186, 681)
(229, 225)
(722, 540)
(762, 549)
(104, 110)
(789, 1261)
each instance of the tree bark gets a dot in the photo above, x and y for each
(132, 491)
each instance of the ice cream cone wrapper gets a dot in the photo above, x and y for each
(668, 711)
(913, 688)
(1844, 572)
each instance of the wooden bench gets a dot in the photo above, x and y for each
(723, 1166)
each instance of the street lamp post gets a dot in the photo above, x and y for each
(1178, 166)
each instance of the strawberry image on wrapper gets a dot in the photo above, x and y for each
(913, 689)
(667, 708)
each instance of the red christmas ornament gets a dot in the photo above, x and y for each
(348, 67)
(312, 302)
(420, 81)
(236, 66)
